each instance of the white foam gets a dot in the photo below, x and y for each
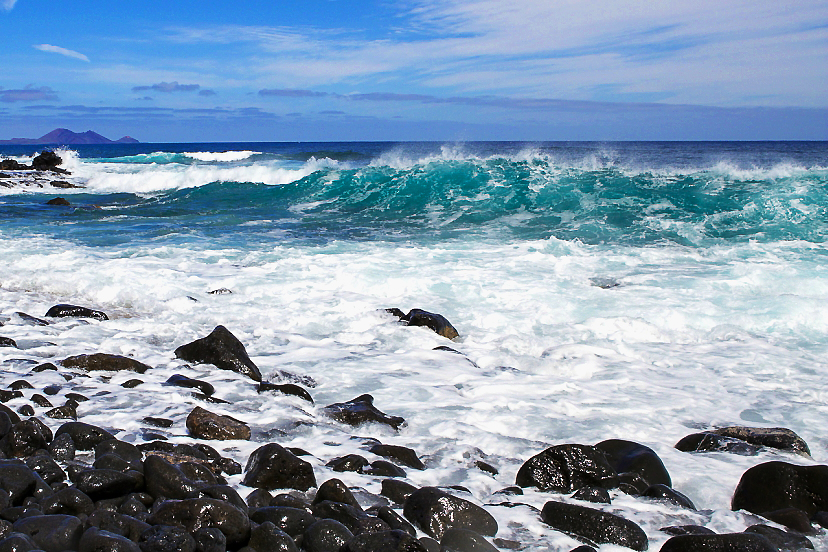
(221, 156)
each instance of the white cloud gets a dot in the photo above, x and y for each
(61, 51)
(7, 4)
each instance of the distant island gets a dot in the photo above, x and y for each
(64, 137)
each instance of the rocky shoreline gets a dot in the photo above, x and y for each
(40, 174)
(84, 487)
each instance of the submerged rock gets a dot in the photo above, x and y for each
(403, 455)
(746, 441)
(594, 525)
(728, 542)
(105, 362)
(74, 311)
(286, 389)
(204, 424)
(7, 342)
(418, 317)
(567, 468)
(179, 380)
(58, 201)
(221, 349)
(361, 410)
(434, 511)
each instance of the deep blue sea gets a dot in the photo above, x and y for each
(640, 291)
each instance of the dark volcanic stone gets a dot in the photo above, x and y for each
(58, 201)
(708, 442)
(403, 455)
(62, 447)
(203, 424)
(687, 530)
(7, 342)
(360, 411)
(74, 311)
(783, 540)
(46, 160)
(65, 412)
(292, 521)
(351, 517)
(397, 491)
(464, 540)
(596, 526)
(53, 533)
(434, 511)
(183, 381)
(632, 483)
(663, 492)
(44, 367)
(273, 467)
(567, 468)
(433, 321)
(102, 484)
(117, 523)
(163, 479)
(222, 349)
(41, 401)
(25, 438)
(68, 501)
(17, 542)
(728, 542)
(31, 320)
(103, 361)
(778, 485)
(18, 480)
(158, 422)
(84, 436)
(20, 384)
(395, 521)
(26, 410)
(196, 513)
(775, 437)
(209, 539)
(326, 535)
(290, 500)
(381, 468)
(385, 541)
(269, 538)
(286, 389)
(52, 389)
(258, 498)
(486, 467)
(6, 395)
(46, 468)
(335, 491)
(167, 538)
(351, 462)
(76, 397)
(131, 383)
(597, 495)
(627, 456)
(225, 493)
(97, 540)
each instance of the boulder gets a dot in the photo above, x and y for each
(403, 455)
(18, 480)
(221, 349)
(381, 468)
(668, 494)
(777, 485)
(102, 361)
(728, 542)
(60, 201)
(285, 389)
(163, 479)
(8, 342)
(209, 539)
(273, 467)
(74, 311)
(775, 437)
(84, 436)
(25, 438)
(395, 521)
(350, 516)
(397, 491)
(326, 535)
(434, 511)
(98, 540)
(385, 541)
(351, 462)
(627, 456)
(196, 513)
(179, 380)
(167, 538)
(117, 523)
(43, 465)
(269, 538)
(597, 495)
(567, 468)
(335, 490)
(783, 540)
(46, 160)
(103, 484)
(361, 410)
(69, 501)
(53, 533)
(433, 321)
(464, 540)
(203, 424)
(594, 525)
(293, 521)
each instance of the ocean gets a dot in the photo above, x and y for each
(639, 291)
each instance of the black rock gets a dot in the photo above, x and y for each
(598, 495)
(728, 542)
(783, 540)
(65, 412)
(293, 521)
(117, 523)
(397, 491)
(351, 462)
(26, 410)
(395, 521)
(18, 480)
(41, 401)
(74, 311)
(594, 525)
(69, 501)
(97, 540)
(360, 411)
(25, 438)
(60, 201)
(46, 160)
(434, 511)
(709, 442)
(403, 455)
(103, 484)
(663, 492)
(7, 342)
(167, 538)
(687, 530)
(567, 468)
(44, 367)
(6, 395)
(778, 485)
(20, 384)
(632, 483)
(196, 513)
(273, 467)
(351, 517)
(162, 479)
(203, 424)
(326, 535)
(84, 436)
(46, 468)
(178, 449)
(180, 380)
(129, 452)
(76, 397)
(286, 389)
(62, 447)
(17, 542)
(627, 456)
(384, 541)
(158, 422)
(433, 321)
(291, 500)
(31, 320)
(105, 362)
(269, 538)
(225, 493)
(209, 539)
(381, 468)
(335, 491)
(464, 540)
(775, 437)
(222, 349)
(132, 383)
(486, 467)
(258, 498)
(53, 533)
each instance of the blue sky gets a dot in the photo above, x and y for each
(416, 69)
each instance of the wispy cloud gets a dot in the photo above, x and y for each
(28, 94)
(61, 51)
(7, 4)
(168, 87)
(206, 92)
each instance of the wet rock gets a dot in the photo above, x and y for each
(132, 507)
(53, 533)
(25, 438)
(777, 485)
(52, 389)
(687, 530)
(485, 466)
(351, 517)
(290, 500)
(434, 511)
(84, 436)
(41, 401)
(76, 397)
(6, 395)
(182, 451)
(117, 523)
(665, 493)
(105, 362)
(30, 320)
(783, 540)
(403, 455)
(18, 480)
(273, 467)
(258, 498)
(710, 442)
(59, 201)
(433, 321)
(567, 468)
(385, 541)
(132, 383)
(17, 542)
(381, 468)
(26, 410)
(63, 184)
(776, 437)
(179, 380)
(127, 451)
(203, 424)
(728, 542)
(210, 540)
(62, 447)
(596, 495)
(97, 540)
(196, 513)
(221, 349)
(220, 291)
(167, 538)
(464, 540)
(351, 462)
(20, 384)
(627, 456)
(285, 389)
(163, 479)
(335, 491)
(361, 410)
(65, 412)
(158, 422)
(269, 538)
(74, 311)
(293, 521)
(326, 535)
(8, 342)
(395, 521)
(632, 483)
(44, 367)
(792, 518)
(46, 160)
(223, 492)
(43, 465)
(397, 491)
(594, 525)
(103, 484)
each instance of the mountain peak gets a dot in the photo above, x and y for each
(63, 136)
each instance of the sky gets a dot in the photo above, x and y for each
(334, 70)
